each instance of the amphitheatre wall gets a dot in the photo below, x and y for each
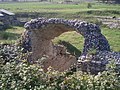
(40, 32)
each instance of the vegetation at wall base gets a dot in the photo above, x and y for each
(19, 74)
(24, 76)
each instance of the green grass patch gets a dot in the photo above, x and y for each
(113, 36)
(11, 35)
(73, 38)
(7, 35)
(38, 7)
(77, 40)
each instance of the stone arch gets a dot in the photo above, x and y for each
(40, 32)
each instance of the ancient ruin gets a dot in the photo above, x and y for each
(40, 32)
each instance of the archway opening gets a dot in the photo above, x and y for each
(72, 40)
(42, 45)
(42, 31)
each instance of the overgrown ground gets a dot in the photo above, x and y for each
(24, 76)
(68, 11)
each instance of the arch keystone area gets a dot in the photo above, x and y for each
(40, 32)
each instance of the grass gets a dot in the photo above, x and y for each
(11, 35)
(112, 35)
(38, 7)
(73, 38)
(69, 11)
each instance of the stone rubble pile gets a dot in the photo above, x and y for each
(96, 63)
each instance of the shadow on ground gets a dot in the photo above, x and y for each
(70, 48)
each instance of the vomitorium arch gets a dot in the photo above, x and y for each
(40, 32)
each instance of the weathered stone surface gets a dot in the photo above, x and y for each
(41, 44)
(97, 63)
(60, 60)
(39, 33)
(91, 32)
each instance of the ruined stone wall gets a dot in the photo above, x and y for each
(41, 44)
(91, 32)
(42, 39)
(40, 32)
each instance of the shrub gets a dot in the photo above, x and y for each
(21, 76)
(24, 76)
(8, 53)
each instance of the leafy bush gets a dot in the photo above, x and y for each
(24, 76)
(21, 75)
(8, 53)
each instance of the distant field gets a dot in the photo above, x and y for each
(69, 11)
(31, 7)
